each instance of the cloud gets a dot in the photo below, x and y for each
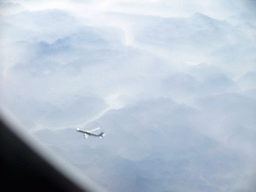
(162, 144)
(200, 39)
(172, 86)
(248, 81)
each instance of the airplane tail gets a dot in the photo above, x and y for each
(101, 134)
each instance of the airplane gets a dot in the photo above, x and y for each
(90, 133)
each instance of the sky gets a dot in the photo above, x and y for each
(171, 83)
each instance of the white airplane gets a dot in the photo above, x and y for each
(90, 133)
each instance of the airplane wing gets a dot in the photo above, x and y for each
(95, 129)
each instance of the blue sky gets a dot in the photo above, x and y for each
(171, 84)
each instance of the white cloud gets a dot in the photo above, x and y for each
(171, 83)
(163, 144)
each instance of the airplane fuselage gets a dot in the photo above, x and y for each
(89, 133)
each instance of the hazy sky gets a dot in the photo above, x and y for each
(171, 83)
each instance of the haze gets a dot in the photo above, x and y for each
(171, 83)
